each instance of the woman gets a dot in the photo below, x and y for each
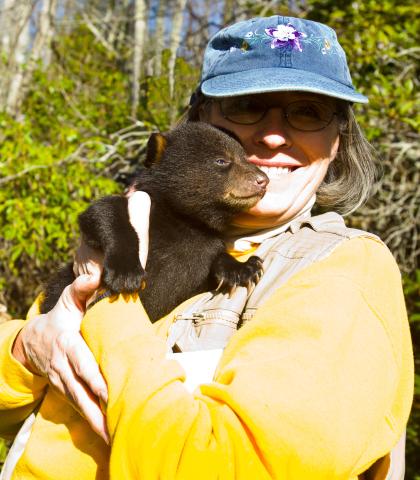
(317, 381)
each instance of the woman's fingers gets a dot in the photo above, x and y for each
(84, 288)
(65, 380)
(84, 365)
(75, 372)
(139, 212)
(87, 260)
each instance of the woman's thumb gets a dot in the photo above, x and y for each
(74, 296)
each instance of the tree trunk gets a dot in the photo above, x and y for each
(42, 44)
(175, 40)
(140, 11)
(120, 25)
(159, 38)
(228, 12)
(15, 42)
(242, 10)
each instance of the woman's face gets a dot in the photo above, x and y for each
(295, 161)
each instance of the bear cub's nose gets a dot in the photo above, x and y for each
(261, 181)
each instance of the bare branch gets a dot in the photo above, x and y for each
(98, 35)
(129, 138)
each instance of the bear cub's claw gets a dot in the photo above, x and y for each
(123, 275)
(229, 273)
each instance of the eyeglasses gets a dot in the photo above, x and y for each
(304, 115)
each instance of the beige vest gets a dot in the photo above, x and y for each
(210, 321)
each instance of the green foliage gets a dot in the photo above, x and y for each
(84, 92)
(380, 40)
(56, 159)
(38, 209)
(156, 106)
(3, 451)
(412, 297)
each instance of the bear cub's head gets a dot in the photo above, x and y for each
(202, 172)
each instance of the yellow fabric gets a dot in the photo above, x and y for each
(318, 385)
(243, 256)
(19, 389)
(34, 310)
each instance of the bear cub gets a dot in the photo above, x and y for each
(198, 178)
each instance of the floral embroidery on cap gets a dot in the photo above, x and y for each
(326, 47)
(244, 47)
(285, 36)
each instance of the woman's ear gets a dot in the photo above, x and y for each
(335, 148)
(155, 149)
(204, 111)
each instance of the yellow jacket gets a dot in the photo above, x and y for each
(317, 386)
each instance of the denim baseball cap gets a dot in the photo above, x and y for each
(276, 54)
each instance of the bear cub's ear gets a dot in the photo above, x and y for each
(155, 148)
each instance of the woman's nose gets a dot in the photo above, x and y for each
(273, 132)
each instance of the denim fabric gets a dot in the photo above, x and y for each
(277, 54)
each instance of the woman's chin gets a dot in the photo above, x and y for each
(268, 212)
(273, 204)
(274, 209)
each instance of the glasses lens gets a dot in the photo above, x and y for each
(243, 110)
(309, 116)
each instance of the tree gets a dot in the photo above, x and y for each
(174, 43)
(140, 29)
(15, 46)
(22, 52)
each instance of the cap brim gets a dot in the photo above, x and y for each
(265, 80)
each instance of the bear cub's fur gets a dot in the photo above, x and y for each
(198, 178)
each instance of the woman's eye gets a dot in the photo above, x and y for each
(250, 105)
(310, 110)
(243, 105)
(306, 111)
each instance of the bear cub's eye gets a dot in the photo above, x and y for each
(222, 162)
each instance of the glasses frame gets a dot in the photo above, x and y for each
(285, 114)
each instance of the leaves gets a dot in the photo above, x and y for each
(3, 451)
(38, 210)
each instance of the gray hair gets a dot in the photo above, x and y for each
(350, 177)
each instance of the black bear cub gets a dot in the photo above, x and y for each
(198, 178)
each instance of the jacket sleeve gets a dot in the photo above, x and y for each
(20, 390)
(318, 385)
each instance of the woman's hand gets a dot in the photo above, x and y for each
(51, 345)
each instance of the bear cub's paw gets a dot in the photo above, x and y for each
(229, 273)
(123, 275)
